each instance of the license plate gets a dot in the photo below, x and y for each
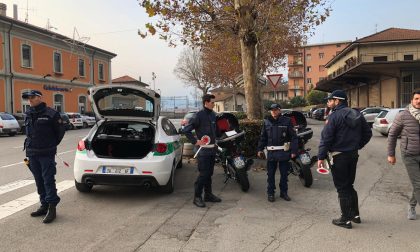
(117, 170)
(305, 158)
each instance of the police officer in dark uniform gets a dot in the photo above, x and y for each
(44, 131)
(280, 140)
(344, 134)
(204, 124)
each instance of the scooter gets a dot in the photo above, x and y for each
(234, 164)
(301, 165)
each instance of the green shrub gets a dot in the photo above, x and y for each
(240, 115)
(252, 130)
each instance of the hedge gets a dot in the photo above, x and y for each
(252, 130)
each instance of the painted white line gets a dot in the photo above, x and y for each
(19, 204)
(15, 185)
(4, 166)
(9, 165)
(64, 152)
(18, 147)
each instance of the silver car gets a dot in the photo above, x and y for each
(384, 120)
(8, 124)
(370, 114)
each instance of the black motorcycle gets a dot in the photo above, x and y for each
(228, 154)
(234, 164)
(301, 165)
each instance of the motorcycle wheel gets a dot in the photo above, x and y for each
(305, 174)
(243, 180)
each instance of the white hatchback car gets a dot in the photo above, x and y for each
(8, 124)
(130, 144)
(383, 121)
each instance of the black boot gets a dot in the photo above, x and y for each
(210, 197)
(345, 219)
(51, 214)
(198, 201)
(271, 198)
(42, 210)
(285, 196)
(355, 208)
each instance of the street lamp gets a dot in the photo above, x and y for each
(154, 78)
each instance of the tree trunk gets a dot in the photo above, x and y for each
(252, 89)
(249, 40)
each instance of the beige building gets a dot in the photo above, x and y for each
(378, 70)
(306, 65)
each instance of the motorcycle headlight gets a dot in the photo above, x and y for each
(239, 162)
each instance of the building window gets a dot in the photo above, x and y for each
(59, 102)
(81, 67)
(57, 62)
(82, 104)
(321, 78)
(321, 55)
(380, 58)
(26, 56)
(321, 68)
(101, 71)
(24, 102)
(308, 69)
(308, 56)
(309, 81)
(408, 57)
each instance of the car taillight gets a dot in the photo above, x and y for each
(383, 121)
(161, 147)
(81, 146)
(1, 126)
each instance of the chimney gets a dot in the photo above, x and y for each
(3, 8)
(15, 12)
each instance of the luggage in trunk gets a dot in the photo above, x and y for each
(130, 140)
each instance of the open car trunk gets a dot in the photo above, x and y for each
(122, 139)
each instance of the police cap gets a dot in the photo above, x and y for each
(337, 94)
(26, 95)
(274, 106)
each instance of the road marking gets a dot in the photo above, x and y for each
(21, 203)
(15, 185)
(4, 166)
(9, 165)
(18, 147)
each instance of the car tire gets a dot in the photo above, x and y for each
(179, 165)
(12, 134)
(83, 187)
(169, 187)
(71, 126)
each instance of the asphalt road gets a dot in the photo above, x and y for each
(133, 219)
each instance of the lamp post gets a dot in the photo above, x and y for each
(154, 78)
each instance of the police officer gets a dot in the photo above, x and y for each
(44, 131)
(280, 140)
(343, 135)
(204, 123)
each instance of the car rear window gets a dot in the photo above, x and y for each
(7, 117)
(383, 114)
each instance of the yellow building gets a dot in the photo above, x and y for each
(382, 69)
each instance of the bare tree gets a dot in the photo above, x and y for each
(190, 69)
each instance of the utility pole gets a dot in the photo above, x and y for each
(154, 78)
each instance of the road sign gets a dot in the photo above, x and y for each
(274, 79)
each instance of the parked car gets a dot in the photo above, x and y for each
(319, 114)
(187, 118)
(88, 121)
(66, 121)
(8, 124)
(384, 120)
(20, 118)
(370, 114)
(75, 120)
(127, 146)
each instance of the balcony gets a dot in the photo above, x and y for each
(296, 74)
(296, 63)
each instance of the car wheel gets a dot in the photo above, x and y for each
(71, 126)
(179, 165)
(12, 133)
(169, 187)
(82, 187)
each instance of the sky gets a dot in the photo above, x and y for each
(112, 25)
